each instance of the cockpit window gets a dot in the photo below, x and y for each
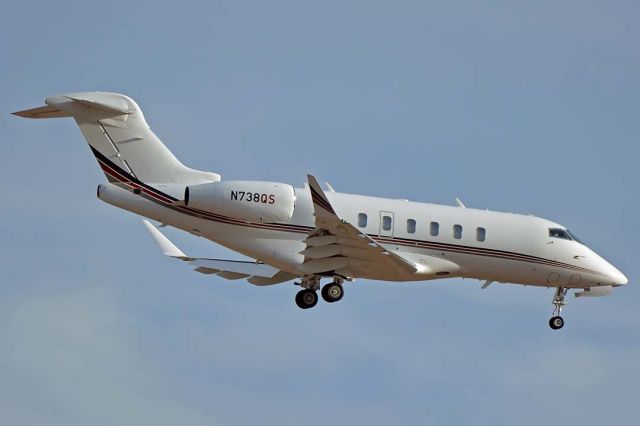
(573, 236)
(564, 234)
(559, 233)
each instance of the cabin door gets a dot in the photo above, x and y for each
(386, 224)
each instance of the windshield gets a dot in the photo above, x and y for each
(564, 234)
(573, 236)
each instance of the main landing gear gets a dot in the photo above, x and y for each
(332, 292)
(556, 322)
(308, 296)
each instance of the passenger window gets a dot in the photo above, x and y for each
(386, 223)
(457, 231)
(434, 229)
(362, 220)
(481, 234)
(411, 226)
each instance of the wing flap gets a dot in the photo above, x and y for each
(278, 278)
(335, 244)
(207, 271)
(236, 266)
(232, 275)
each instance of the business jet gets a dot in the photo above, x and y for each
(313, 233)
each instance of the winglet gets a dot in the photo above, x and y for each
(318, 196)
(167, 247)
(459, 203)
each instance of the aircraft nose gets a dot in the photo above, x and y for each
(614, 276)
(617, 277)
(620, 279)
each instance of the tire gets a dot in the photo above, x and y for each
(556, 323)
(306, 299)
(332, 292)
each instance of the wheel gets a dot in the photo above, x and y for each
(556, 323)
(332, 292)
(306, 299)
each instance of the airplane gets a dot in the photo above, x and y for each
(309, 233)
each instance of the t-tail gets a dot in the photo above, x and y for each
(120, 138)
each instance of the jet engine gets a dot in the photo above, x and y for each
(250, 201)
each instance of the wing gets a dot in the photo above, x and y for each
(335, 245)
(256, 273)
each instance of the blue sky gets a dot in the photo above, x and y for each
(527, 107)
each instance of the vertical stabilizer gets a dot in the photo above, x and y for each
(120, 138)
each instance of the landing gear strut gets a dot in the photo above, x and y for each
(307, 297)
(556, 322)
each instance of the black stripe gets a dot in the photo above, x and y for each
(133, 179)
(319, 199)
(187, 210)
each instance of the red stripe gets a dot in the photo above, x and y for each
(195, 212)
(485, 252)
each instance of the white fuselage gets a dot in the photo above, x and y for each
(486, 245)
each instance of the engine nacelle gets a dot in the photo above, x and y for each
(246, 200)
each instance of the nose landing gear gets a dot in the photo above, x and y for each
(556, 322)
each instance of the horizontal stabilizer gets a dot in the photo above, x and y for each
(78, 103)
(47, 111)
(97, 101)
